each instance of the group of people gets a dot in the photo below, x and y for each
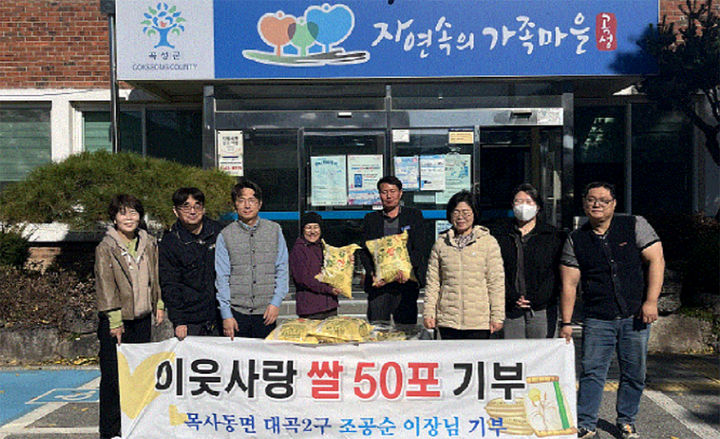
(231, 281)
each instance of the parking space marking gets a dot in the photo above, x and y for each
(20, 425)
(684, 416)
(5, 432)
(66, 395)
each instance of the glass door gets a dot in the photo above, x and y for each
(510, 156)
(342, 168)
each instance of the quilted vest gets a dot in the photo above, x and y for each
(252, 265)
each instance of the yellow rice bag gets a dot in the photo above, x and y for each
(337, 270)
(391, 256)
(343, 328)
(297, 330)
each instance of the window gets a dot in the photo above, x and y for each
(600, 150)
(24, 141)
(175, 135)
(96, 131)
(661, 161)
(271, 161)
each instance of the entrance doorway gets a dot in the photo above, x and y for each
(488, 151)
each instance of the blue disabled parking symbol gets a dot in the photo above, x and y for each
(66, 395)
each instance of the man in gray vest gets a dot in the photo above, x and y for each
(606, 256)
(251, 265)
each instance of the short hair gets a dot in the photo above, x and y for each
(390, 179)
(121, 202)
(530, 190)
(181, 195)
(462, 196)
(244, 183)
(596, 184)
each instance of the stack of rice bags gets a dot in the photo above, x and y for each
(338, 329)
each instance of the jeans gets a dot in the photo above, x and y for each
(629, 338)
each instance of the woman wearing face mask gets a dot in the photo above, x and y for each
(531, 253)
(128, 294)
(313, 299)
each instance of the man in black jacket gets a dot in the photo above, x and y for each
(398, 298)
(187, 267)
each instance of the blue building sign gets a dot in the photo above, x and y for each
(261, 39)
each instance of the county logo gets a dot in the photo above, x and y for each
(163, 20)
(309, 40)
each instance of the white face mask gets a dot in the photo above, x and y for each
(525, 212)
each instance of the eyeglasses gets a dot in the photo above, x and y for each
(185, 208)
(602, 202)
(462, 213)
(247, 201)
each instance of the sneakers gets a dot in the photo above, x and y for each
(628, 431)
(584, 433)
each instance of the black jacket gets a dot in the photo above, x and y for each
(187, 273)
(410, 219)
(541, 259)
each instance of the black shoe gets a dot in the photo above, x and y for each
(628, 431)
(584, 433)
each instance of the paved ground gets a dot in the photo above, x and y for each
(681, 401)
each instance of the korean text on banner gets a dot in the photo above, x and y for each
(206, 387)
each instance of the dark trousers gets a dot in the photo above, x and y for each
(321, 315)
(398, 300)
(203, 329)
(463, 334)
(251, 325)
(136, 331)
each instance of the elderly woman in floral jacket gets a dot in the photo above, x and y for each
(465, 290)
(128, 294)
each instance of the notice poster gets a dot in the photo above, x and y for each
(407, 170)
(364, 171)
(457, 176)
(432, 172)
(441, 226)
(230, 152)
(327, 179)
(212, 387)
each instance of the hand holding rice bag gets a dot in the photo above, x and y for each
(390, 255)
(337, 269)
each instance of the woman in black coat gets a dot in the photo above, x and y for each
(531, 254)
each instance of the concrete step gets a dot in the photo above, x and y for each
(355, 307)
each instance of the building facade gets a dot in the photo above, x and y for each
(409, 101)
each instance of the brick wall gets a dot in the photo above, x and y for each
(53, 44)
(669, 9)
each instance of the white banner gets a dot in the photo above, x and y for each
(212, 387)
